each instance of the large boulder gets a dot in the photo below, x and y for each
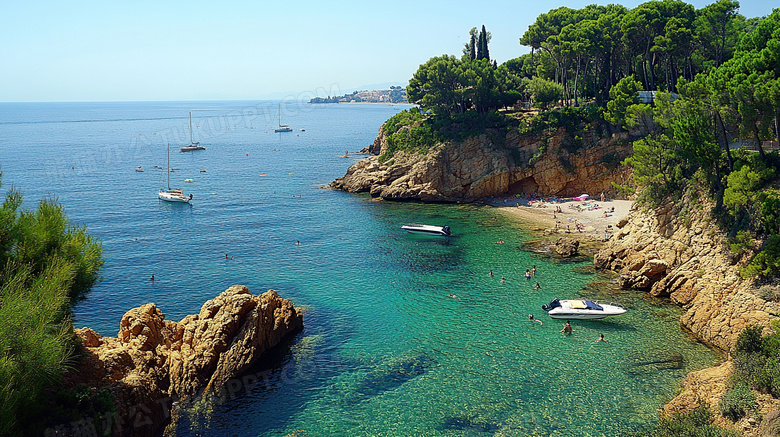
(567, 247)
(153, 362)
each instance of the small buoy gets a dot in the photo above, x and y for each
(247, 154)
(213, 194)
(188, 180)
(289, 173)
(203, 171)
(262, 174)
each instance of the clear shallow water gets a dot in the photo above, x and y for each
(385, 350)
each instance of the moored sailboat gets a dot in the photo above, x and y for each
(192, 146)
(172, 195)
(282, 127)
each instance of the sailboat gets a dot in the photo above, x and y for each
(174, 195)
(282, 127)
(192, 146)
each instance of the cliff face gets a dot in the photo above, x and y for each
(682, 254)
(483, 167)
(154, 362)
(656, 251)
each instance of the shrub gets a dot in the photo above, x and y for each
(693, 424)
(45, 265)
(737, 402)
(766, 263)
(769, 293)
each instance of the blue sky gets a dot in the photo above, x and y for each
(199, 50)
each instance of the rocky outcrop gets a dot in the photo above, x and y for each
(677, 252)
(567, 247)
(153, 362)
(491, 165)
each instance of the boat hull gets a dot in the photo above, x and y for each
(173, 197)
(581, 316)
(443, 231)
(581, 309)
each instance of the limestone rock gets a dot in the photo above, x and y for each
(567, 247)
(481, 167)
(153, 360)
(690, 264)
(703, 386)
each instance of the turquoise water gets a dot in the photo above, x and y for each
(385, 349)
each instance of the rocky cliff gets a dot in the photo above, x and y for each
(677, 251)
(492, 164)
(153, 362)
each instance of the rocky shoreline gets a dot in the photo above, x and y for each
(154, 364)
(678, 252)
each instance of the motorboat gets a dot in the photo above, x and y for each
(193, 146)
(427, 229)
(581, 309)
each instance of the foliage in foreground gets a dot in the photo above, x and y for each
(757, 359)
(738, 401)
(693, 424)
(45, 265)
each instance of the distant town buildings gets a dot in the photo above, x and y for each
(395, 94)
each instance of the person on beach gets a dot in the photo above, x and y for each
(601, 338)
(531, 319)
(567, 328)
(602, 196)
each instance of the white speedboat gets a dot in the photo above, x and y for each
(581, 309)
(427, 229)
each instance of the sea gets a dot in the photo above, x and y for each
(405, 335)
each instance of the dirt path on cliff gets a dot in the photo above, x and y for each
(590, 215)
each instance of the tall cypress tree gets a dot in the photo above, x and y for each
(485, 38)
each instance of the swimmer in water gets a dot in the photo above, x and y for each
(532, 319)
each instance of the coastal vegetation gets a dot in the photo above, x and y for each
(46, 265)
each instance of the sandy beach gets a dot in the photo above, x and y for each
(586, 220)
